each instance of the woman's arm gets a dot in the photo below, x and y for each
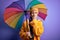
(24, 34)
(40, 28)
(37, 27)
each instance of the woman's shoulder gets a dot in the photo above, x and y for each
(39, 20)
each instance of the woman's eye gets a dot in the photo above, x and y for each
(35, 12)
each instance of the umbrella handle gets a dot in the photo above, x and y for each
(27, 25)
(27, 21)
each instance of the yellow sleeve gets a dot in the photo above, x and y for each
(22, 32)
(40, 26)
(37, 27)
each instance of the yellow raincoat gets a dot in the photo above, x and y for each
(37, 30)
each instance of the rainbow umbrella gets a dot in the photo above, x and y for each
(14, 14)
(41, 8)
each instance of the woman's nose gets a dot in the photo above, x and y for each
(33, 15)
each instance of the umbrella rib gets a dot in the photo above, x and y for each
(15, 19)
(20, 6)
(20, 21)
(12, 16)
(14, 6)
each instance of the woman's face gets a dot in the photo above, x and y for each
(34, 13)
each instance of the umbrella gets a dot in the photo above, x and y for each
(14, 14)
(41, 8)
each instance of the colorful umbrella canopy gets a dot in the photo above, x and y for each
(14, 14)
(41, 8)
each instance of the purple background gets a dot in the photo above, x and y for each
(51, 24)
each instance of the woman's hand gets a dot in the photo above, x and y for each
(28, 33)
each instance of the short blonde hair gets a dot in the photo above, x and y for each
(32, 9)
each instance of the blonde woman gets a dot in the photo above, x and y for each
(35, 27)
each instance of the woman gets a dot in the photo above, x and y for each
(35, 27)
